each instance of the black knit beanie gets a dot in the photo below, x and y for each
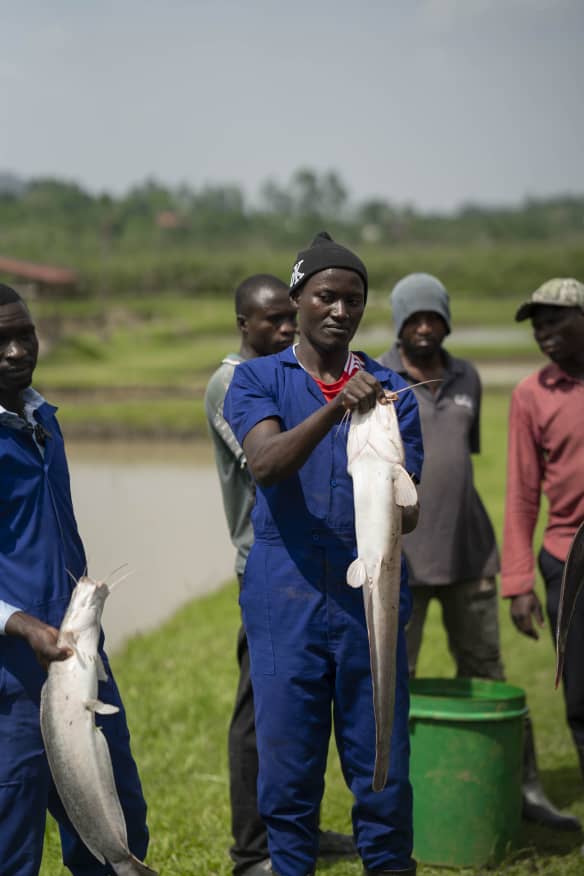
(324, 253)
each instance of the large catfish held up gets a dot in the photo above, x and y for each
(381, 488)
(76, 748)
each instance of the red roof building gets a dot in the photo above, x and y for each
(39, 275)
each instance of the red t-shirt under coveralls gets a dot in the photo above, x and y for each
(330, 390)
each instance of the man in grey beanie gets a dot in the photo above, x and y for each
(452, 555)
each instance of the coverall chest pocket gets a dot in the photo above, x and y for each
(255, 608)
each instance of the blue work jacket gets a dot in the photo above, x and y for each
(316, 502)
(40, 547)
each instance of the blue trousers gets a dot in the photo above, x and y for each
(27, 790)
(310, 669)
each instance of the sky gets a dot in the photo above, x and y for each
(433, 103)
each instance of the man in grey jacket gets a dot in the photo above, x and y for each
(452, 554)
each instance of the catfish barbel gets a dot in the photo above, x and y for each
(381, 488)
(77, 750)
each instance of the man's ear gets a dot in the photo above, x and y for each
(241, 321)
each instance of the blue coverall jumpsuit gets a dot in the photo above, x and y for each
(307, 632)
(39, 546)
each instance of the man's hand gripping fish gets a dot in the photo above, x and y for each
(77, 751)
(381, 488)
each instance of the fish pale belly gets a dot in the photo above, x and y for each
(378, 569)
(376, 512)
(80, 764)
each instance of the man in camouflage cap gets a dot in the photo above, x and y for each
(546, 455)
(560, 292)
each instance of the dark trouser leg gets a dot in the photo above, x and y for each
(383, 820)
(470, 614)
(421, 596)
(24, 781)
(249, 833)
(292, 687)
(573, 676)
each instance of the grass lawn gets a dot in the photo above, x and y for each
(175, 342)
(178, 685)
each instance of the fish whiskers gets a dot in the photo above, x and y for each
(390, 396)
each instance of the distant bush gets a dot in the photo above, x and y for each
(156, 238)
(493, 271)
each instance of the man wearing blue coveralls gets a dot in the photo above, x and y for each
(40, 550)
(306, 627)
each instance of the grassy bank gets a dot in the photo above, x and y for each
(139, 366)
(178, 684)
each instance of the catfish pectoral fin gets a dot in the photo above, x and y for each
(406, 495)
(101, 708)
(357, 573)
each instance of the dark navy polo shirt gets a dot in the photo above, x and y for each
(454, 539)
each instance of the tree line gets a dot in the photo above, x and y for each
(47, 211)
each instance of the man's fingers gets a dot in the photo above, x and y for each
(54, 655)
(528, 630)
(362, 392)
(524, 624)
(366, 403)
(47, 650)
(525, 609)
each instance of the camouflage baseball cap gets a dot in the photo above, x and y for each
(560, 292)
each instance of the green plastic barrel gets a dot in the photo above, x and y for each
(466, 740)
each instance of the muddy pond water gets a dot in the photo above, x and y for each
(156, 507)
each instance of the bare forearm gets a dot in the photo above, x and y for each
(280, 454)
(19, 624)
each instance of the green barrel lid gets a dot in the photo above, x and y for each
(465, 699)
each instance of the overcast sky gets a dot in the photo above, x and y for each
(432, 102)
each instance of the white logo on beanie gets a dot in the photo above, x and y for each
(297, 274)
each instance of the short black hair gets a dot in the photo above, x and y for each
(249, 288)
(8, 295)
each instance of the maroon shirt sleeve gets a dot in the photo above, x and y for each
(522, 499)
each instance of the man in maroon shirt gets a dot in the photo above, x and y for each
(546, 455)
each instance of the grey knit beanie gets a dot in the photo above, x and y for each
(417, 292)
